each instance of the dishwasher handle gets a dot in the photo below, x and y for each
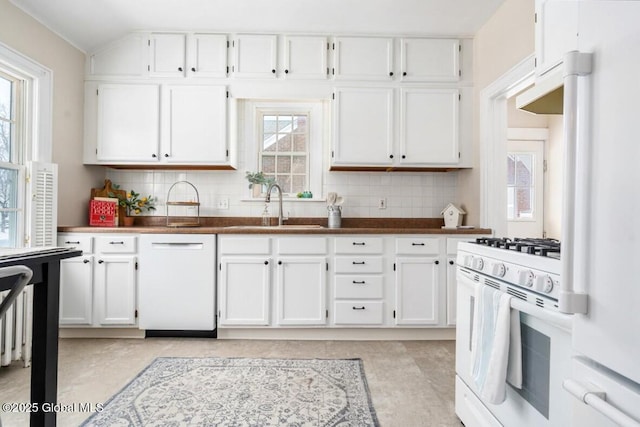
(176, 245)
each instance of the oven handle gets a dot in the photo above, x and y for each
(596, 399)
(561, 320)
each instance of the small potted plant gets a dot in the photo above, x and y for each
(134, 205)
(262, 181)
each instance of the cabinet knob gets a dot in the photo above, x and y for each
(391, 156)
(154, 155)
(166, 155)
(451, 262)
(404, 157)
(266, 263)
(437, 262)
(179, 68)
(193, 69)
(86, 261)
(100, 261)
(286, 71)
(273, 71)
(279, 262)
(391, 74)
(404, 73)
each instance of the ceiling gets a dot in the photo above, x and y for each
(89, 24)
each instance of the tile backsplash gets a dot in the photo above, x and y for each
(406, 194)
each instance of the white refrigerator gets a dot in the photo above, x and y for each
(602, 190)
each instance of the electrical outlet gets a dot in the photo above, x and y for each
(382, 203)
(223, 203)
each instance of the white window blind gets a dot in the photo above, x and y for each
(42, 190)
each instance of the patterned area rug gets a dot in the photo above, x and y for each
(243, 392)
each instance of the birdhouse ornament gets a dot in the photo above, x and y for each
(452, 216)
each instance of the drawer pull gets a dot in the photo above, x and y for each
(359, 243)
(86, 261)
(116, 243)
(100, 262)
(417, 244)
(71, 243)
(361, 282)
(358, 262)
(358, 308)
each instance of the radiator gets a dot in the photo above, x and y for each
(16, 328)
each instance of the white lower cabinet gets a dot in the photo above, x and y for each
(301, 290)
(115, 290)
(416, 293)
(99, 288)
(244, 289)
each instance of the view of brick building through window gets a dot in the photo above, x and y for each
(520, 186)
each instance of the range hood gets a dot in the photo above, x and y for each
(545, 97)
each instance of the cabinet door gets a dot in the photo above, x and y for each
(556, 32)
(243, 291)
(363, 126)
(125, 57)
(301, 290)
(128, 123)
(417, 281)
(76, 291)
(195, 128)
(255, 56)
(208, 55)
(306, 57)
(429, 126)
(115, 290)
(167, 55)
(430, 60)
(451, 291)
(363, 58)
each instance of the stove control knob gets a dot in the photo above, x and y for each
(468, 261)
(499, 270)
(545, 284)
(478, 264)
(525, 278)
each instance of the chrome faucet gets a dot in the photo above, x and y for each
(268, 200)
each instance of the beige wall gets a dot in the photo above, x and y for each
(505, 40)
(24, 34)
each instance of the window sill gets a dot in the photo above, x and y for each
(284, 199)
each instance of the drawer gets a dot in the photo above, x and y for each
(302, 246)
(245, 245)
(358, 264)
(452, 243)
(77, 241)
(417, 245)
(116, 244)
(354, 286)
(358, 313)
(359, 245)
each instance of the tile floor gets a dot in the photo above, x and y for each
(411, 382)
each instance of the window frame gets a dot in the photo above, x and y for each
(316, 112)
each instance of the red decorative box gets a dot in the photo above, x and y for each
(103, 213)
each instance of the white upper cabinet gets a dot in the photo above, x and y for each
(128, 123)
(362, 127)
(429, 126)
(167, 54)
(434, 60)
(556, 32)
(363, 58)
(305, 57)
(207, 55)
(125, 57)
(255, 56)
(194, 125)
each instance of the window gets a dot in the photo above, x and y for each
(520, 186)
(10, 168)
(285, 150)
(284, 140)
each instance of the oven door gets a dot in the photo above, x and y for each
(546, 351)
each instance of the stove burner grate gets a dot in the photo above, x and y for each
(533, 246)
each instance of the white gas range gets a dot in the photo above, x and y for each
(529, 270)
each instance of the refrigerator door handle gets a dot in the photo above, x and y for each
(596, 399)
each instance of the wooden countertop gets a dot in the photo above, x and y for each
(313, 225)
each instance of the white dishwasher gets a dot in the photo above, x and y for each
(177, 282)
